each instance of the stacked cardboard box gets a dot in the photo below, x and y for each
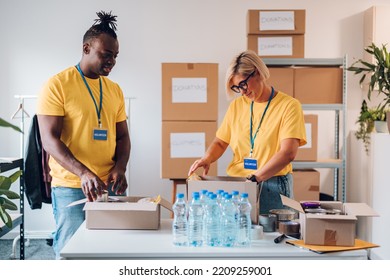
(189, 115)
(306, 184)
(308, 152)
(310, 85)
(277, 33)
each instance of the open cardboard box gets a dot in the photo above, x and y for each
(331, 230)
(214, 183)
(124, 212)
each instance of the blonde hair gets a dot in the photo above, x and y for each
(244, 64)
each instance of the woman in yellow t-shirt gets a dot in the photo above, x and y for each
(264, 128)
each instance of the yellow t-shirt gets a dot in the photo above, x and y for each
(65, 94)
(283, 119)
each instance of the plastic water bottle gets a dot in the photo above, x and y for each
(236, 197)
(244, 222)
(213, 222)
(203, 196)
(220, 196)
(229, 222)
(180, 223)
(195, 222)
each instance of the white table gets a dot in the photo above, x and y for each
(157, 244)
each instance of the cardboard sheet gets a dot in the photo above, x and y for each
(359, 244)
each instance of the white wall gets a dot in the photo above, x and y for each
(42, 37)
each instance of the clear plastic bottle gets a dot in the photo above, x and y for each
(229, 222)
(244, 222)
(195, 222)
(180, 223)
(203, 197)
(213, 222)
(236, 197)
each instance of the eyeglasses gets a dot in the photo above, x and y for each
(243, 84)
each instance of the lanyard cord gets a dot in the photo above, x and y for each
(261, 120)
(98, 110)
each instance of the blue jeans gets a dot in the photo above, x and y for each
(68, 219)
(271, 190)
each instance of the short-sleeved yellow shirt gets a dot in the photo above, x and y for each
(283, 119)
(65, 94)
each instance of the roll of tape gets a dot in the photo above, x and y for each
(103, 197)
(268, 221)
(289, 227)
(257, 232)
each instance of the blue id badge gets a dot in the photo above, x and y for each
(100, 134)
(250, 163)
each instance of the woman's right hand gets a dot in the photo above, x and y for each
(200, 163)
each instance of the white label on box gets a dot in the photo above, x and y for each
(275, 45)
(188, 145)
(189, 90)
(308, 136)
(276, 20)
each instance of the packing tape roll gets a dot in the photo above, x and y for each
(268, 221)
(257, 232)
(103, 197)
(289, 227)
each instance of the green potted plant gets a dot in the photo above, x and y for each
(378, 75)
(370, 119)
(6, 195)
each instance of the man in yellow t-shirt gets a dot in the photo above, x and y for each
(82, 121)
(263, 127)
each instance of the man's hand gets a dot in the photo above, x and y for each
(92, 186)
(118, 181)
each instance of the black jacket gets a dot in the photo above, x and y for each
(37, 179)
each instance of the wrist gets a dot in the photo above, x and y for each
(252, 178)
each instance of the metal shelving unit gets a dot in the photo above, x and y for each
(338, 163)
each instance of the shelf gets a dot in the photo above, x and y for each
(338, 161)
(17, 220)
(322, 163)
(323, 107)
(7, 164)
(303, 61)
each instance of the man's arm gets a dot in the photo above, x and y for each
(50, 128)
(122, 154)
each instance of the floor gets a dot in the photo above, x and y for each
(35, 249)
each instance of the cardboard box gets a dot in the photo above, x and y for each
(308, 152)
(189, 91)
(276, 21)
(306, 184)
(282, 79)
(331, 230)
(277, 46)
(182, 144)
(214, 183)
(319, 85)
(124, 212)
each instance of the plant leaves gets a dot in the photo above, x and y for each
(8, 204)
(9, 194)
(5, 183)
(7, 124)
(15, 176)
(5, 217)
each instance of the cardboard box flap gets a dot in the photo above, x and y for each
(166, 204)
(331, 217)
(292, 203)
(223, 178)
(360, 209)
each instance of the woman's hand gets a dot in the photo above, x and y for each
(200, 163)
